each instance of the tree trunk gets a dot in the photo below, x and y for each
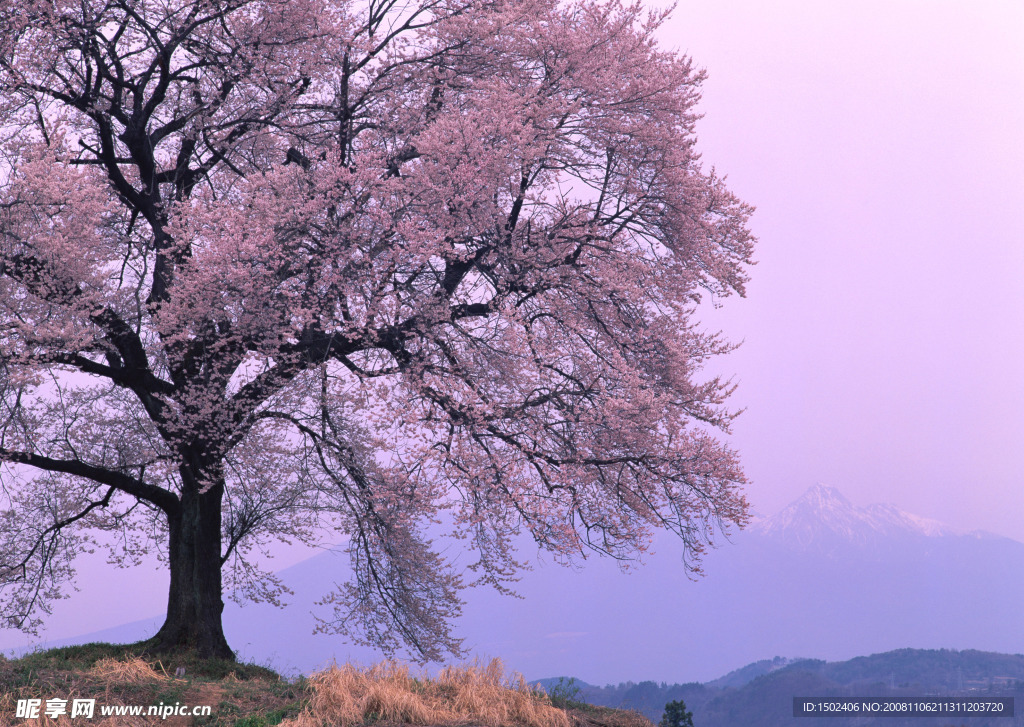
(194, 604)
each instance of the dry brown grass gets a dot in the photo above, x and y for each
(132, 671)
(384, 695)
(344, 696)
(106, 674)
(592, 716)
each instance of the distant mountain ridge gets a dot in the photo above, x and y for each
(747, 674)
(823, 516)
(761, 694)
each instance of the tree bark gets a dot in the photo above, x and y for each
(195, 603)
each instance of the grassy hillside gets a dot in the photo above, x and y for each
(123, 678)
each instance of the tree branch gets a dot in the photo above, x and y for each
(158, 496)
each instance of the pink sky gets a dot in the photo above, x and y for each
(883, 145)
(884, 326)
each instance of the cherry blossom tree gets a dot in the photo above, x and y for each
(310, 269)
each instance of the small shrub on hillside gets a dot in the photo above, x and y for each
(676, 715)
(566, 694)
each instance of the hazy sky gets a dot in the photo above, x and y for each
(881, 143)
(883, 146)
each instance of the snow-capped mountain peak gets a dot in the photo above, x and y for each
(822, 516)
(897, 519)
